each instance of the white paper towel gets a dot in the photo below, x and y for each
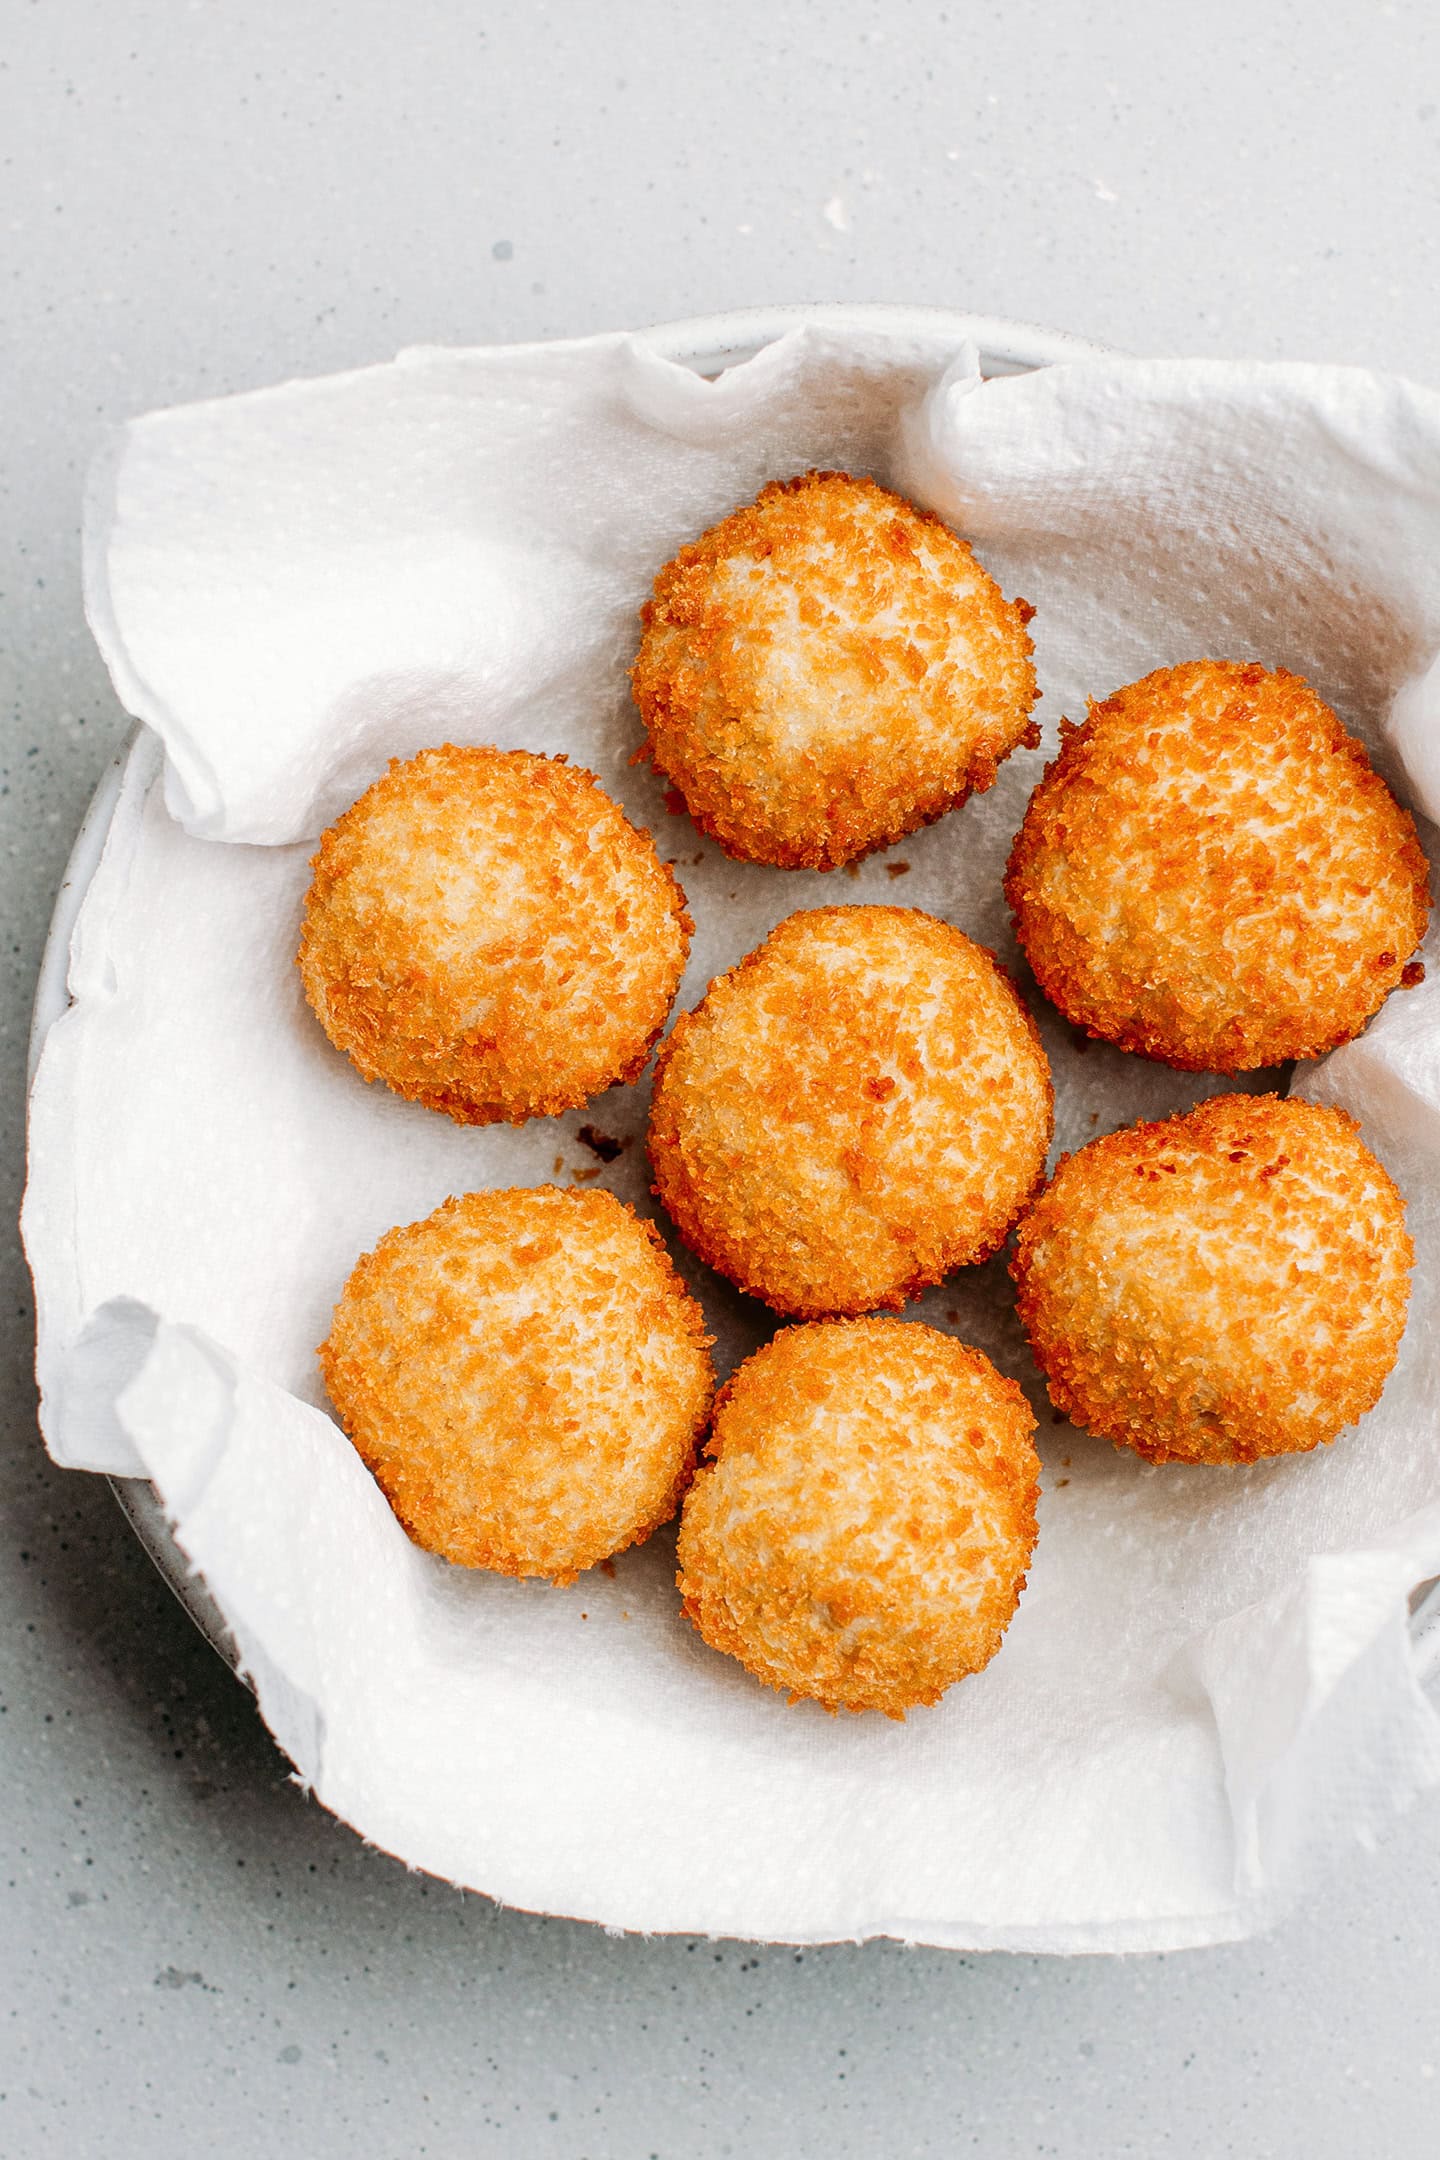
(1209, 1682)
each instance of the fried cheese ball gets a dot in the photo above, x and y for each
(526, 1376)
(863, 1533)
(860, 1106)
(488, 934)
(827, 669)
(1219, 1286)
(1212, 874)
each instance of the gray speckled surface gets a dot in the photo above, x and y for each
(201, 199)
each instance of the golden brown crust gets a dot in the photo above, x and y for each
(525, 1375)
(828, 669)
(862, 1536)
(1220, 1286)
(488, 934)
(1212, 874)
(860, 1106)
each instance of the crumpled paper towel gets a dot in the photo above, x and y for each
(1210, 1682)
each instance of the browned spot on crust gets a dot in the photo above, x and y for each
(603, 1144)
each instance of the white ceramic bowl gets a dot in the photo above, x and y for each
(709, 344)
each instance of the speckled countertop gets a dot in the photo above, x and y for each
(200, 199)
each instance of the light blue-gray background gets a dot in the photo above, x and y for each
(199, 198)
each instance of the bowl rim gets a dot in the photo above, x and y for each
(708, 343)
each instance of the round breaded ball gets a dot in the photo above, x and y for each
(863, 1534)
(1212, 874)
(526, 1376)
(827, 669)
(860, 1106)
(488, 934)
(1219, 1286)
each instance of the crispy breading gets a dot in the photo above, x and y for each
(860, 1106)
(1219, 1286)
(863, 1533)
(1212, 874)
(827, 669)
(526, 1376)
(488, 934)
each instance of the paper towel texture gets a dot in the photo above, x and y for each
(1209, 1681)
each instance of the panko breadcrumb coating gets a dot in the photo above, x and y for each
(860, 1106)
(827, 669)
(1219, 1286)
(863, 1535)
(526, 1376)
(489, 934)
(1212, 874)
